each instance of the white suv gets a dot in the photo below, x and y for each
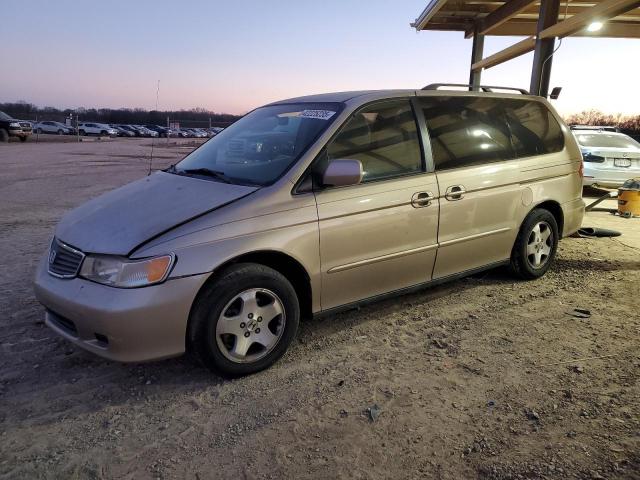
(53, 127)
(96, 129)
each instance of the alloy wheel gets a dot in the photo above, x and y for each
(250, 325)
(539, 244)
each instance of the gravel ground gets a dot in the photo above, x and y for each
(486, 377)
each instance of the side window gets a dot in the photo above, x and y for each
(384, 137)
(466, 131)
(534, 130)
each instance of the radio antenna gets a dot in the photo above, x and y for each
(153, 139)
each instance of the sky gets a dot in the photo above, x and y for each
(232, 56)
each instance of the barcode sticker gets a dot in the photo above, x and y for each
(318, 114)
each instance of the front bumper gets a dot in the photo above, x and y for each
(127, 325)
(18, 132)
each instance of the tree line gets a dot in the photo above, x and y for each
(200, 117)
(629, 124)
(195, 117)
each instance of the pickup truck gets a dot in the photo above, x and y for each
(10, 127)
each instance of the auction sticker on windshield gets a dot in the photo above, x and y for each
(319, 114)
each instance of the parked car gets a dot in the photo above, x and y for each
(305, 207)
(87, 128)
(610, 158)
(163, 132)
(10, 127)
(142, 132)
(52, 127)
(145, 132)
(183, 133)
(197, 133)
(200, 133)
(213, 131)
(122, 132)
(131, 129)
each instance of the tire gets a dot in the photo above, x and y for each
(4, 136)
(103, 132)
(39, 131)
(221, 310)
(83, 133)
(60, 132)
(536, 245)
(23, 139)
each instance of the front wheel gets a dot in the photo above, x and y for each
(23, 139)
(244, 321)
(4, 135)
(536, 245)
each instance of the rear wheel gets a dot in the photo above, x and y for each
(23, 139)
(39, 131)
(83, 133)
(60, 132)
(244, 321)
(536, 245)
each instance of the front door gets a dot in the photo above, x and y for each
(380, 235)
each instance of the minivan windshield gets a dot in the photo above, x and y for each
(607, 140)
(261, 146)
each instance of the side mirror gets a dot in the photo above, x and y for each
(343, 172)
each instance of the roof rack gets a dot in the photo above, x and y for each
(604, 128)
(484, 88)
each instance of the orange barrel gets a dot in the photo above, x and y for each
(629, 198)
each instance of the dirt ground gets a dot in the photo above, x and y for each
(486, 377)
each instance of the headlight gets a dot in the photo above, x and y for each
(14, 125)
(123, 273)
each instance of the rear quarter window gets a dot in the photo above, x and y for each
(534, 129)
(469, 130)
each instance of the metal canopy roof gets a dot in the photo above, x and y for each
(519, 17)
(540, 21)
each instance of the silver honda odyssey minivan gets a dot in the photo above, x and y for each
(308, 206)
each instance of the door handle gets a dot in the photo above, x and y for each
(455, 192)
(422, 199)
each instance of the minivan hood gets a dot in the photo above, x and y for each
(119, 221)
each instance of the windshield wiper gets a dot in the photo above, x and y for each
(207, 172)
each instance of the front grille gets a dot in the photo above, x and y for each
(64, 261)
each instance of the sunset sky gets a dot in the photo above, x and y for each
(233, 56)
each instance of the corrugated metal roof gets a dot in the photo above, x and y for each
(518, 17)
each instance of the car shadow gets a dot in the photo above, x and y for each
(589, 191)
(600, 265)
